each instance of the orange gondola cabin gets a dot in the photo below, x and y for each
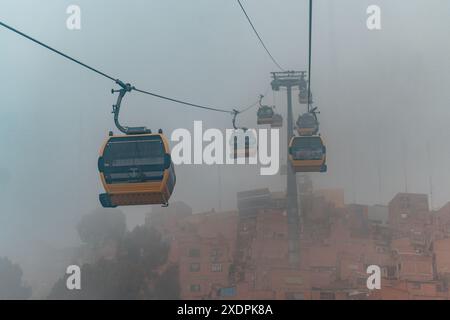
(307, 154)
(136, 170)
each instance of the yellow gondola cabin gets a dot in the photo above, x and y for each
(307, 154)
(307, 124)
(136, 170)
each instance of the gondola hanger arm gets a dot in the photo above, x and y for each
(125, 87)
(235, 114)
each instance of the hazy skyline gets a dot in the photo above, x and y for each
(382, 96)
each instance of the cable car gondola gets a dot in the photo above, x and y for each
(243, 144)
(307, 154)
(265, 113)
(303, 96)
(277, 121)
(135, 168)
(307, 124)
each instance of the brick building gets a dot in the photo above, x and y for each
(244, 254)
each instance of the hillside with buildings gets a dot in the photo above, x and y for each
(244, 254)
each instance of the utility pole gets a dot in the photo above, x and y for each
(288, 80)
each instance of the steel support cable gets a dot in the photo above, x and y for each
(182, 102)
(259, 37)
(56, 51)
(256, 102)
(117, 81)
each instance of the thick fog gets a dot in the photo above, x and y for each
(382, 94)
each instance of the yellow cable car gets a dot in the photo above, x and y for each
(307, 124)
(136, 170)
(307, 154)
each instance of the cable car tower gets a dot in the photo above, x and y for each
(289, 80)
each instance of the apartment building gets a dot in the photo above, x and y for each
(244, 254)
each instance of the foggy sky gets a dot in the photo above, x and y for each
(383, 97)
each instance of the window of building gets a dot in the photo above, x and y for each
(227, 292)
(216, 267)
(327, 296)
(216, 252)
(195, 267)
(381, 249)
(194, 252)
(405, 203)
(441, 288)
(361, 282)
(195, 288)
(295, 296)
(416, 285)
(391, 272)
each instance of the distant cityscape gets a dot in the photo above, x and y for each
(243, 254)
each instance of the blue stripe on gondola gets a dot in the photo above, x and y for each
(145, 173)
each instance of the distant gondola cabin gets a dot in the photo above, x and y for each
(277, 121)
(265, 115)
(243, 144)
(303, 96)
(307, 124)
